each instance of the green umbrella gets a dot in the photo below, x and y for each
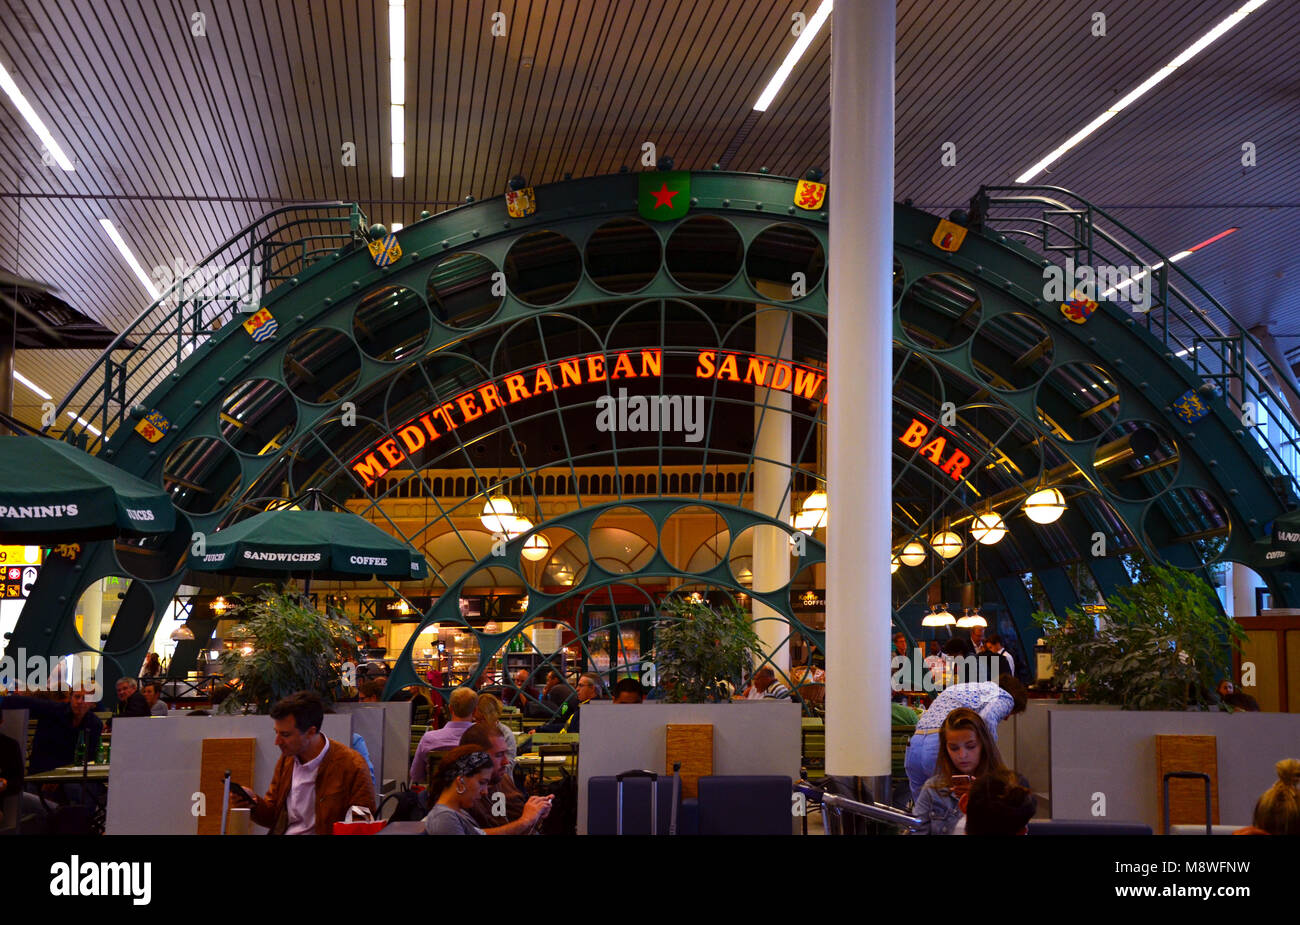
(53, 492)
(326, 544)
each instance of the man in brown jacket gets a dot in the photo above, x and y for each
(316, 779)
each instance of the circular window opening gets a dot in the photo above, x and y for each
(543, 268)
(391, 324)
(257, 416)
(704, 253)
(623, 255)
(1078, 401)
(785, 262)
(321, 366)
(940, 311)
(460, 291)
(1012, 352)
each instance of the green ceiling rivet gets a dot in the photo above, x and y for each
(978, 268)
(758, 205)
(1092, 340)
(716, 167)
(446, 244)
(293, 281)
(505, 224)
(1142, 385)
(197, 403)
(329, 301)
(469, 199)
(1252, 521)
(474, 232)
(153, 454)
(247, 357)
(415, 255)
(424, 213)
(695, 200)
(1214, 462)
(1118, 361)
(790, 210)
(1241, 433)
(221, 380)
(356, 284)
(825, 214)
(726, 202)
(176, 375)
(300, 318)
(762, 170)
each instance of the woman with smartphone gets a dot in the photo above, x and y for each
(966, 752)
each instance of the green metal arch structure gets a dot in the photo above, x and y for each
(361, 349)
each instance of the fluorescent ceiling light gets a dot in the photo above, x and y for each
(129, 257)
(89, 426)
(28, 112)
(1174, 259)
(792, 57)
(1151, 82)
(32, 385)
(397, 84)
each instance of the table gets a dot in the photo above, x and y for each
(70, 774)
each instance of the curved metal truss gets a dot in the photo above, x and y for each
(373, 389)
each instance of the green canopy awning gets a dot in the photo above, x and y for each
(325, 544)
(52, 492)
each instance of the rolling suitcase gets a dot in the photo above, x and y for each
(654, 799)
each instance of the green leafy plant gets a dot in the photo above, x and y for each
(1161, 644)
(697, 646)
(293, 647)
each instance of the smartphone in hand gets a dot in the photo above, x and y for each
(961, 783)
(243, 792)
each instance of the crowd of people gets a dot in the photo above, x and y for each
(463, 773)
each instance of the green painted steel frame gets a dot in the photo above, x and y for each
(324, 292)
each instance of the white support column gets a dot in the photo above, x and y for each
(860, 362)
(773, 336)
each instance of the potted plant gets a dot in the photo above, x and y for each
(1161, 644)
(698, 647)
(288, 646)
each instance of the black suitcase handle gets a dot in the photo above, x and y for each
(635, 774)
(1190, 775)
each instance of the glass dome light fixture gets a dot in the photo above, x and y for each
(1045, 506)
(947, 544)
(536, 547)
(971, 618)
(516, 527)
(498, 514)
(913, 554)
(988, 529)
(813, 513)
(938, 616)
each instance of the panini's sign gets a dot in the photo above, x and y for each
(420, 432)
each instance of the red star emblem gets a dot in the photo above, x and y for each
(663, 197)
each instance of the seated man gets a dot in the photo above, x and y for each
(765, 686)
(464, 700)
(499, 809)
(59, 726)
(316, 779)
(130, 702)
(567, 719)
(152, 693)
(629, 690)
(11, 774)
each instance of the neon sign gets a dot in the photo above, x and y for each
(957, 461)
(422, 431)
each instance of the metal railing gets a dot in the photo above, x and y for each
(1192, 325)
(834, 808)
(229, 283)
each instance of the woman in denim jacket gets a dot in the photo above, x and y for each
(965, 748)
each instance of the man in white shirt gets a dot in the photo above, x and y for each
(994, 644)
(316, 779)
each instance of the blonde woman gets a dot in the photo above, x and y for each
(1278, 810)
(488, 712)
